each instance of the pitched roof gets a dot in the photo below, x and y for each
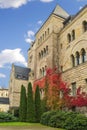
(21, 72)
(4, 100)
(58, 10)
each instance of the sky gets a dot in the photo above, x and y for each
(19, 21)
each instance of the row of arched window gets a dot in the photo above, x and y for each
(71, 36)
(43, 71)
(42, 38)
(78, 58)
(43, 52)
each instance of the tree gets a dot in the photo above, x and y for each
(30, 105)
(23, 104)
(53, 86)
(37, 104)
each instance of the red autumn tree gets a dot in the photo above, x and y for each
(55, 89)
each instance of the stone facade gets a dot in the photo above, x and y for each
(4, 100)
(62, 42)
(3, 92)
(18, 77)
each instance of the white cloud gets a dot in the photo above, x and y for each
(2, 75)
(80, 7)
(30, 36)
(39, 22)
(30, 33)
(17, 3)
(12, 3)
(8, 56)
(47, 1)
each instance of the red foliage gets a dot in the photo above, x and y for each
(56, 85)
(80, 99)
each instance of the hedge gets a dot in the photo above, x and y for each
(65, 120)
(7, 117)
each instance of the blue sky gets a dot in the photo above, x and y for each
(19, 21)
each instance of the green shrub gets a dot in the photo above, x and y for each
(66, 120)
(46, 117)
(7, 117)
(57, 120)
(79, 122)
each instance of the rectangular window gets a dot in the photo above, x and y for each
(74, 89)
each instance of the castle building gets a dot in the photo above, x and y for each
(4, 100)
(18, 77)
(61, 41)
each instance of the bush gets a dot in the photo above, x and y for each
(79, 122)
(57, 120)
(46, 117)
(16, 113)
(7, 117)
(66, 120)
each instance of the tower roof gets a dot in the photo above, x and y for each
(60, 12)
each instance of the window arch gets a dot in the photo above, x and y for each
(77, 58)
(43, 71)
(84, 26)
(83, 55)
(73, 60)
(73, 34)
(48, 31)
(45, 34)
(41, 53)
(46, 49)
(69, 38)
(40, 72)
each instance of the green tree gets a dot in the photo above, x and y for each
(23, 104)
(37, 104)
(30, 105)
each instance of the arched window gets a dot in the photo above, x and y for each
(45, 34)
(39, 55)
(40, 39)
(84, 26)
(40, 72)
(69, 38)
(73, 60)
(83, 54)
(48, 31)
(77, 58)
(43, 71)
(73, 34)
(46, 49)
(42, 54)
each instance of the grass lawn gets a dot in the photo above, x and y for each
(32, 125)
